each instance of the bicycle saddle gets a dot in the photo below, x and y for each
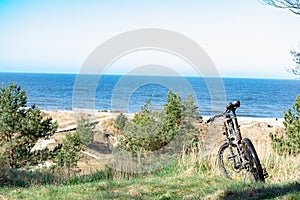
(234, 104)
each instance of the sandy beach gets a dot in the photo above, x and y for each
(67, 119)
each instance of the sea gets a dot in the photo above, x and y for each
(262, 98)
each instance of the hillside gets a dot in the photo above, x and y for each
(189, 177)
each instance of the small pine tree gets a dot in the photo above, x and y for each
(120, 121)
(67, 157)
(85, 130)
(173, 109)
(290, 142)
(151, 131)
(67, 154)
(190, 110)
(143, 118)
(21, 128)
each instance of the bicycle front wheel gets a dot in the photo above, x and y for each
(233, 167)
(229, 162)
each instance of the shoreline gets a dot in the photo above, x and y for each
(69, 115)
(91, 111)
(88, 111)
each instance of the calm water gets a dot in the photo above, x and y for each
(259, 97)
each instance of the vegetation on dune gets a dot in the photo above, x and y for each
(85, 130)
(21, 128)
(66, 159)
(289, 143)
(120, 122)
(150, 131)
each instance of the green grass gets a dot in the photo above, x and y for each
(186, 178)
(191, 186)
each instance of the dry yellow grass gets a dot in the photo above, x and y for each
(279, 168)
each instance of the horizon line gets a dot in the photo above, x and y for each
(163, 75)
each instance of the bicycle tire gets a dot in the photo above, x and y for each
(225, 164)
(240, 173)
(252, 157)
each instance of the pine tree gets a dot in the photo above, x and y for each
(21, 128)
(190, 110)
(173, 110)
(85, 130)
(290, 142)
(68, 157)
(120, 121)
(150, 131)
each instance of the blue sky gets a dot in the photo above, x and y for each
(243, 38)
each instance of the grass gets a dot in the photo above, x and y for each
(193, 186)
(187, 178)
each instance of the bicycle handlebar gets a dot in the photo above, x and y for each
(229, 107)
(211, 119)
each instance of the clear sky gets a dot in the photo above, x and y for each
(243, 38)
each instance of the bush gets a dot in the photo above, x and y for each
(150, 131)
(120, 121)
(190, 110)
(290, 142)
(85, 130)
(21, 128)
(67, 157)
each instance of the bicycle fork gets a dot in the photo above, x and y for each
(232, 157)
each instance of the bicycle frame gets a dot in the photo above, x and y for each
(232, 128)
(234, 137)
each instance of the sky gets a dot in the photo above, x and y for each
(242, 38)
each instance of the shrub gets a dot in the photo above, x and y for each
(120, 121)
(144, 117)
(190, 110)
(67, 157)
(85, 130)
(150, 131)
(21, 128)
(290, 142)
(67, 154)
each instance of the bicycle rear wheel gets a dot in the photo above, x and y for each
(254, 166)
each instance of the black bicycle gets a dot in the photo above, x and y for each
(237, 157)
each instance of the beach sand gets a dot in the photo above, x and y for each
(68, 118)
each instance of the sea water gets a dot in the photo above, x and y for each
(267, 98)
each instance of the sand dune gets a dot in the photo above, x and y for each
(257, 129)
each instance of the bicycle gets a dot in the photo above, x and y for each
(237, 157)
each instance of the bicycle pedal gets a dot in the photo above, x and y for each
(265, 173)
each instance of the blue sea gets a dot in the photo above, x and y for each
(259, 97)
